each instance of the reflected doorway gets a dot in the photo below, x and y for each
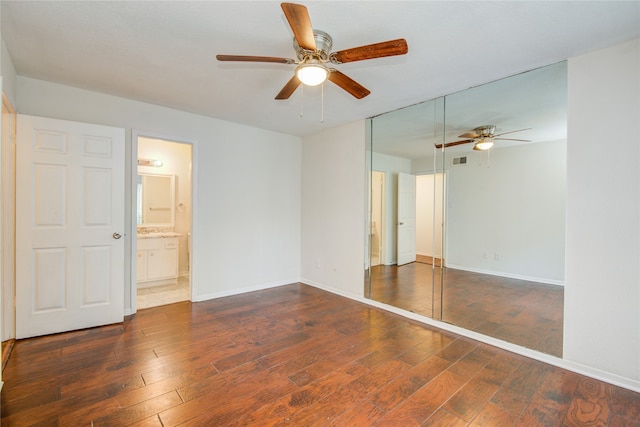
(415, 284)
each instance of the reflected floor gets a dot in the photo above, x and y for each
(518, 311)
(163, 295)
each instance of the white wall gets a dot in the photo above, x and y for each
(8, 73)
(333, 209)
(511, 204)
(248, 231)
(602, 291)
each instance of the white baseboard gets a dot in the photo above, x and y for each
(507, 275)
(598, 374)
(242, 290)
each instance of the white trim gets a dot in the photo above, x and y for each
(507, 275)
(608, 377)
(244, 290)
(135, 134)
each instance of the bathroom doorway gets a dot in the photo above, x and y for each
(163, 206)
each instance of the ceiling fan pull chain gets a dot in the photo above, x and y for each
(322, 103)
(302, 101)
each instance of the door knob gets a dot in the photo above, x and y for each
(116, 235)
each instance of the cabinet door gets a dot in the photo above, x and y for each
(162, 264)
(141, 266)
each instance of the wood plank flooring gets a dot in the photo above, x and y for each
(296, 356)
(521, 312)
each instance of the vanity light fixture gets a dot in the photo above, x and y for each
(150, 162)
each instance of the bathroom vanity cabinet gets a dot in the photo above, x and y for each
(157, 261)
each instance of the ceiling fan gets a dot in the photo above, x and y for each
(483, 138)
(313, 50)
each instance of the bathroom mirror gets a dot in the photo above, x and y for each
(499, 269)
(155, 200)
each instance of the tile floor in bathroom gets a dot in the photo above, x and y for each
(163, 295)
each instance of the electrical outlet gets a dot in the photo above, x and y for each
(497, 256)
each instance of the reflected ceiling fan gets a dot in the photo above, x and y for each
(313, 50)
(483, 138)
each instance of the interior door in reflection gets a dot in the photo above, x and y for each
(406, 218)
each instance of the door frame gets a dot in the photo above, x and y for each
(382, 226)
(8, 221)
(132, 227)
(436, 214)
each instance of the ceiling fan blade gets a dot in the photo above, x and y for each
(511, 139)
(511, 131)
(289, 88)
(246, 58)
(471, 135)
(453, 144)
(348, 84)
(371, 51)
(300, 23)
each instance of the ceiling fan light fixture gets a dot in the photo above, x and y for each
(483, 144)
(312, 74)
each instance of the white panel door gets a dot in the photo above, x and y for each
(406, 218)
(70, 218)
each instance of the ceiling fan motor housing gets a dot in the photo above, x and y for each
(324, 43)
(486, 131)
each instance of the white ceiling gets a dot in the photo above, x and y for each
(163, 52)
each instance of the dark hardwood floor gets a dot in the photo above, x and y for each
(521, 312)
(293, 355)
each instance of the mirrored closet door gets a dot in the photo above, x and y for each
(482, 174)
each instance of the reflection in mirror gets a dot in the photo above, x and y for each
(155, 200)
(404, 183)
(503, 211)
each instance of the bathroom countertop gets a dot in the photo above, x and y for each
(158, 234)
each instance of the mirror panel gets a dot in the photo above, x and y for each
(506, 210)
(500, 268)
(403, 179)
(155, 200)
